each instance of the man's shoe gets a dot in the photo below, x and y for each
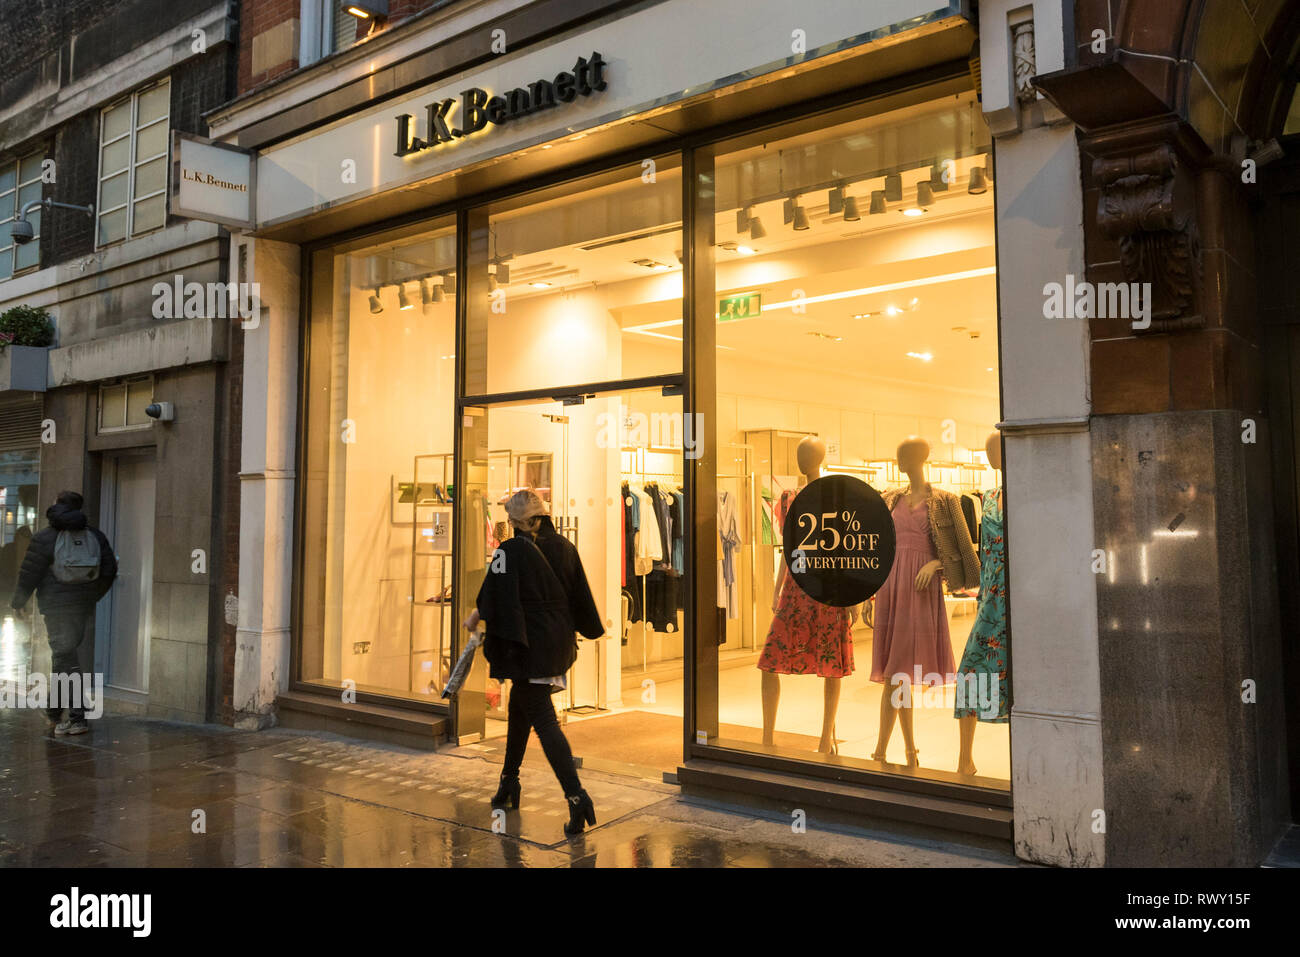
(71, 727)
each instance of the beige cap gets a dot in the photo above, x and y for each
(525, 504)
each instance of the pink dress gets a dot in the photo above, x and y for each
(911, 627)
(806, 637)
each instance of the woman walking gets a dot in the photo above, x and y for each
(534, 598)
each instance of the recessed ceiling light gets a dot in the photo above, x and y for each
(892, 310)
(547, 146)
(923, 356)
(864, 315)
(989, 369)
(827, 335)
(914, 211)
(746, 250)
(579, 136)
(540, 285)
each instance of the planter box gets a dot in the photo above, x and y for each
(24, 368)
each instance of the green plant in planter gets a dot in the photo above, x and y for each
(25, 326)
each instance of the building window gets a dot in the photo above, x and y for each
(20, 183)
(326, 29)
(133, 155)
(122, 405)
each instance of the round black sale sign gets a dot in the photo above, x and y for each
(838, 540)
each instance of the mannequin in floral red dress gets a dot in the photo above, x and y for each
(806, 637)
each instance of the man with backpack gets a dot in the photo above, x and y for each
(70, 566)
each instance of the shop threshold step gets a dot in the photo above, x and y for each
(375, 722)
(846, 801)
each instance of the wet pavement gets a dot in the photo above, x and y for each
(138, 792)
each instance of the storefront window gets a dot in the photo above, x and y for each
(577, 285)
(378, 487)
(856, 333)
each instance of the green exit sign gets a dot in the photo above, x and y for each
(745, 306)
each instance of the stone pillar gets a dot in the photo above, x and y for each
(267, 464)
(1056, 739)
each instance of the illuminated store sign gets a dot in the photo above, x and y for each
(478, 108)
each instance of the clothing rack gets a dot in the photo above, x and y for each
(641, 474)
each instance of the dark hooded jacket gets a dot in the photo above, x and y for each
(37, 571)
(533, 599)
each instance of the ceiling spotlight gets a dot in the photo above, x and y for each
(403, 301)
(800, 219)
(924, 195)
(894, 188)
(978, 184)
(375, 305)
(835, 200)
(914, 211)
(864, 315)
(746, 250)
(756, 230)
(988, 167)
(742, 219)
(851, 209)
(923, 356)
(503, 274)
(787, 211)
(877, 202)
(893, 311)
(937, 182)
(492, 282)
(914, 304)
(435, 291)
(426, 297)
(539, 284)
(449, 283)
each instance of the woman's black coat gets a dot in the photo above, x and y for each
(533, 599)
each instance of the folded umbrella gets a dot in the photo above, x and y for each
(463, 664)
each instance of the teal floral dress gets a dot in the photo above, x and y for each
(987, 656)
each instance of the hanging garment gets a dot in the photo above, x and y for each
(806, 637)
(662, 599)
(969, 509)
(660, 499)
(678, 514)
(622, 537)
(988, 652)
(728, 544)
(649, 544)
(911, 627)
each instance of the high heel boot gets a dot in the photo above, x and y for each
(581, 813)
(508, 792)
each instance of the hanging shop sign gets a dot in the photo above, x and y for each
(745, 306)
(212, 181)
(446, 121)
(838, 540)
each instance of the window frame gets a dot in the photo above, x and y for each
(125, 385)
(11, 249)
(133, 165)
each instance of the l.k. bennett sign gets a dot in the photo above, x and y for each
(478, 108)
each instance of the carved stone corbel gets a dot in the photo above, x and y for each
(1026, 61)
(1155, 231)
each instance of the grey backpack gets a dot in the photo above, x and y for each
(76, 556)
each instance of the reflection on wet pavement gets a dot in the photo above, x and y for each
(137, 792)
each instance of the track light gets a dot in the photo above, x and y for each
(403, 301)
(756, 230)
(449, 283)
(894, 188)
(742, 219)
(436, 293)
(977, 183)
(492, 282)
(376, 306)
(851, 209)
(787, 211)
(937, 182)
(924, 195)
(800, 218)
(503, 274)
(426, 297)
(877, 202)
(835, 200)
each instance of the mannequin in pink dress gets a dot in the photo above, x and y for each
(911, 623)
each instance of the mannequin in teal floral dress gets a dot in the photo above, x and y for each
(987, 656)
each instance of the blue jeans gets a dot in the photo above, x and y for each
(67, 632)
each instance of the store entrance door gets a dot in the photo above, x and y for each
(122, 621)
(610, 466)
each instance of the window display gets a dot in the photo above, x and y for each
(856, 334)
(377, 528)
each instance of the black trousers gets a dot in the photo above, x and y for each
(531, 709)
(67, 632)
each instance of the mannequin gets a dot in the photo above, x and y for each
(911, 623)
(987, 651)
(806, 637)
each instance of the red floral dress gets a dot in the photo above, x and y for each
(806, 637)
